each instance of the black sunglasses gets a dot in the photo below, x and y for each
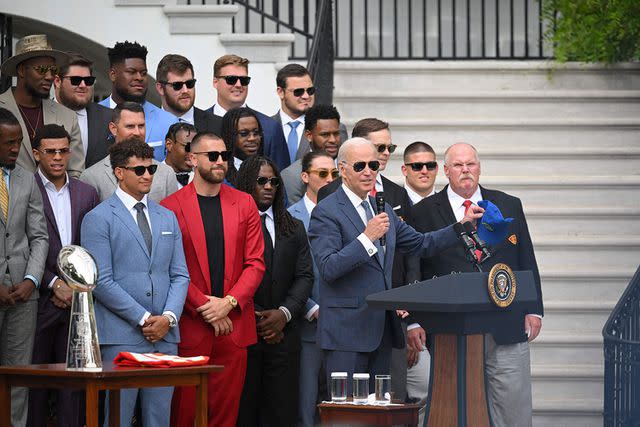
(390, 147)
(300, 91)
(374, 165)
(417, 166)
(76, 80)
(246, 133)
(274, 181)
(139, 170)
(178, 85)
(232, 80)
(213, 155)
(323, 173)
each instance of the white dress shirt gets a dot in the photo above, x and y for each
(83, 124)
(270, 224)
(186, 117)
(286, 128)
(219, 111)
(356, 201)
(309, 205)
(456, 201)
(415, 197)
(237, 163)
(61, 206)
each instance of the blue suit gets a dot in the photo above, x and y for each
(356, 336)
(311, 353)
(157, 122)
(131, 282)
(274, 144)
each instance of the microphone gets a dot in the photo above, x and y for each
(379, 210)
(469, 245)
(480, 244)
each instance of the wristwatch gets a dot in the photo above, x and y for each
(172, 321)
(232, 300)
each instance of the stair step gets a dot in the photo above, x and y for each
(571, 387)
(576, 317)
(567, 412)
(584, 288)
(563, 348)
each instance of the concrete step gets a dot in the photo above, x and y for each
(490, 104)
(438, 76)
(567, 413)
(576, 317)
(604, 221)
(563, 348)
(568, 383)
(584, 285)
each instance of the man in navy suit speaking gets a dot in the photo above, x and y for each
(353, 262)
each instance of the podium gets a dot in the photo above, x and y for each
(455, 311)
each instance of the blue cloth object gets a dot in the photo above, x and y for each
(493, 227)
(292, 140)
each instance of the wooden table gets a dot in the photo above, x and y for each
(110, 378)
(378, 415)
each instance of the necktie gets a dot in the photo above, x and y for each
(373, 191)
(268, 243)
(292, 140)
(4, 196)
(183, 178)
(143, 224)
(467, 204)
(369, 214)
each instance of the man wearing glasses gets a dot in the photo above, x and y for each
(66, 201)
(176, 85)
(74, 89)
(34, 65)
(178, 143)
(231, 81)
(354, 252)
(223, 244)
(322, 130)
(142, 274)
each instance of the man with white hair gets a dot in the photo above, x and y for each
(354, 250)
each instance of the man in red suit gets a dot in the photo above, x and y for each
(223, 245)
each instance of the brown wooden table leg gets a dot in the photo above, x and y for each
(91, 402)
(114, 408)
(201, 401)
(5, 402)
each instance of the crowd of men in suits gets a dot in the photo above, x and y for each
(251, 239)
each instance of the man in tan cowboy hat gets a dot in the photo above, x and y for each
(34, 64)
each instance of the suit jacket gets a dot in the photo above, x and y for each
(304, 147)
(207, 122)
(25, 243)
(243, 265)
(100, 176)
(399, 200)
(83, 199)
(287, 282)
(307, 328)
(132, 281)
(52, 112)
(157, 123)
(100, 139)
(435, 212)
(293, 184)
(274, 145)
(348, 274)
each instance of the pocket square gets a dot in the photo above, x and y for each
(165, 233)
(397, 207)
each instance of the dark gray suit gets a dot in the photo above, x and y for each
(100, 139)
(23, 253)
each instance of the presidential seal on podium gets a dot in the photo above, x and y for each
(502, 285)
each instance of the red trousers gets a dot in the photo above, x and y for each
(225, 388)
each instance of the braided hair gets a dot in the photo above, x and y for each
(229, 135)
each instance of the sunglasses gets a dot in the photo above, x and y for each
(44, 69)
(178, 85)
(417, 166)
(300, 91)
(54, 151)
(390, 147)
(246, 133)
(323, 173)
(274, 181)
(213, 155)
(76, 80)
(139, 170)
(358, 167)
(232, 80)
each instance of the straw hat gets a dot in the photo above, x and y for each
(31, 47)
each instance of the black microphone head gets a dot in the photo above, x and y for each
(380, 201)
(468, 227)
(458, 228)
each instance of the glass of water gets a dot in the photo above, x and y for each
(383, 389)
(360, 388)
(338, 386)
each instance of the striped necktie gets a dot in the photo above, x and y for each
(4, 196)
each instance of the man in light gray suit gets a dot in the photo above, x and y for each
(35, 65)
(128, 122)
(322, 130)
(297, 95)
(22, 257)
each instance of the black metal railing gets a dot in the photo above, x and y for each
(622, 360)
(405, 29)
(6, 47)
(321, 55)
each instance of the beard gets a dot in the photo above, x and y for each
(10, 166)
(70, 102)
(129, 97)
(35, 93)
(208, 175)
(175, 105)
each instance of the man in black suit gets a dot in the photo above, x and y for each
(176, 85)
(270, 392)
(507, 364)
(74, 89)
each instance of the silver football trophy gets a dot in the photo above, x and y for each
(78, 269)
